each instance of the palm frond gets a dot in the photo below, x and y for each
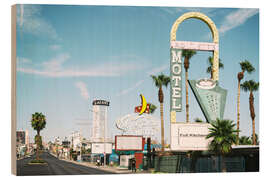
(188, 53)
(161, 80)
(247, 66)
(224, 135)
(38, 121)
(250, 85)
(210, 64)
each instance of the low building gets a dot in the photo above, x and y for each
(250, 154)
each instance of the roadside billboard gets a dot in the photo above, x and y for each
(189, 136)
(98, 148)
(129, 143)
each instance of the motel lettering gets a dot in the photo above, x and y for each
(176, 80)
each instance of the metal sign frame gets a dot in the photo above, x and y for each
(196, 45)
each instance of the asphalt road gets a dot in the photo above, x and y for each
(54, 166)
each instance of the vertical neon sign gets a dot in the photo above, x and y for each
(176, 80)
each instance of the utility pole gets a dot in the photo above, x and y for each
(80, 134)
(105, 124)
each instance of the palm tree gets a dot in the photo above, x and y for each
(251, 86)
(210, 67)
(244, 140)
(38, 123)
(161, 80)
(224, 136)
(246, 66)
(152, 108)
(187, 54)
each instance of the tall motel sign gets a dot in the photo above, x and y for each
(210, 97)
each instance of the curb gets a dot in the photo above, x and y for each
(96, 167)
(37, 163)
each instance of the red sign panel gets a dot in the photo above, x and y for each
(139, 108)
(139, 159)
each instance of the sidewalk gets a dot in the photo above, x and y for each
(113, 169)
(117, 170)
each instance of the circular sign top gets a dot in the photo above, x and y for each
(101, 102)
(206, 84)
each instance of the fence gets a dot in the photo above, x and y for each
(183, 164)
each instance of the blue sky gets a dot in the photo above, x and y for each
(67, 56)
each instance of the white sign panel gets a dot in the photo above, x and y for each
(189, 136)
(124, 160)
(202, 46)
(128, 143)
(98, 148)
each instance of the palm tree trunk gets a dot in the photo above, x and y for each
(223, 164)
(187, 105)
(252, 114)
(238, 113)
(253, 132)
(162, 126)
(38, 133)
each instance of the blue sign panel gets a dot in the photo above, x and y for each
(211, 98)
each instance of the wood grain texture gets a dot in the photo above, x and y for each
(13, 90)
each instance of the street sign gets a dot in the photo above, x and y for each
(211, 98)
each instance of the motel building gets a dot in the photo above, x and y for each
(242, 158)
